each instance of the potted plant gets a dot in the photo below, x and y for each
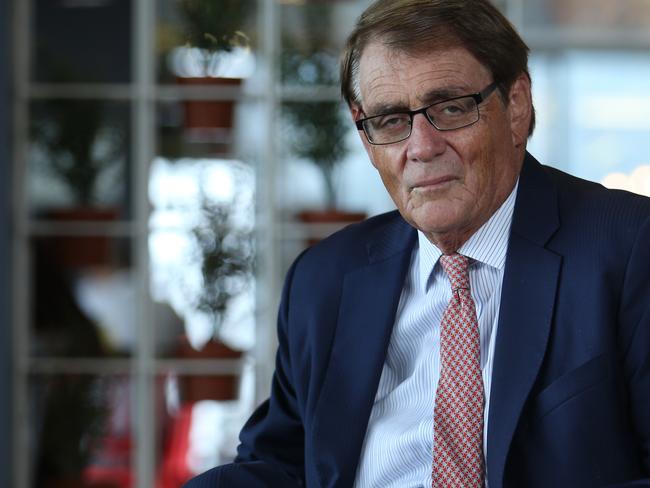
(216, 26)
(214, 32)
(318, 129)
(77, 145)
(225, 252)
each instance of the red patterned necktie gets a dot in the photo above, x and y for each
(458, 418)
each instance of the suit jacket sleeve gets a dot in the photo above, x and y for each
(271, 453)
(635, 339)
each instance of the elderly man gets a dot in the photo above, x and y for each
(495, 331)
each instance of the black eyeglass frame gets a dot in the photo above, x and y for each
(479, 98)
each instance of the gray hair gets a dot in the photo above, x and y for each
(417, 26)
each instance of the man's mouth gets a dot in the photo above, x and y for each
(433, 183)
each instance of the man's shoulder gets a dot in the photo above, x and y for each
(596, 219)
(586, 198)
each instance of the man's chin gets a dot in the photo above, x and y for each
(434, 207)
(435, 218)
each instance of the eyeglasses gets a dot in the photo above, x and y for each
(450, 114)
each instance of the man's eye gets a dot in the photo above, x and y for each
(392, 121)
(451, 109)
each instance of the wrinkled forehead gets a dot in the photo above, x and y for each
(388, 76)
(397, 47)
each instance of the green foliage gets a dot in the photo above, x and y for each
(217, 25)
(74, 421)
(226, 253)
(78, 143)
(317, 129)
(318, 134)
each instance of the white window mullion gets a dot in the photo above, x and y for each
(21, 283)
(142, 111)
(268, 236)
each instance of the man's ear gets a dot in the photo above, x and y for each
(520, 108)
(357, 113)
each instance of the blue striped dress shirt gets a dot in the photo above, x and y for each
(398, 446)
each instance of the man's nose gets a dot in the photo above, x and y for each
(425, 142)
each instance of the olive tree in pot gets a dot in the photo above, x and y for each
(226, 257)
(81, 146)
(318, 130)
(213, 30)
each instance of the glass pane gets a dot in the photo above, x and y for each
(82, 297)
(201, 249)
(593, 111)
(197, 40)
(79, 157)
(200, 422)
(81, 428)
(313, 35)
(592, 14)
(82, 41)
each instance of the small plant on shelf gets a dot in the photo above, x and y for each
(216, 27)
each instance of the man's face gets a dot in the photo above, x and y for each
(447, 184)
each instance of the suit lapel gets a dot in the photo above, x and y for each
(527, 302)
(367, 310)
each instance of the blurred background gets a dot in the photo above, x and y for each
(164, 161)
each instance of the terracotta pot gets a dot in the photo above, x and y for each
(212, 114)
(330, 216)
(208, 387)
(76, 252)
(336, 219)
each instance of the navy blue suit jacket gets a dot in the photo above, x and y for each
(570, 399)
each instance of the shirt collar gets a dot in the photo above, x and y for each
(488, 245)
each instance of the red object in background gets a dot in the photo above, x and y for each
(77, 252)
(337, 219)
(221, 387)
(210, 121)
(174, 470)
(112, 455)
(117, 473)
(210, 113)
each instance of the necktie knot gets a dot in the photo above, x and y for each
(456, 266)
